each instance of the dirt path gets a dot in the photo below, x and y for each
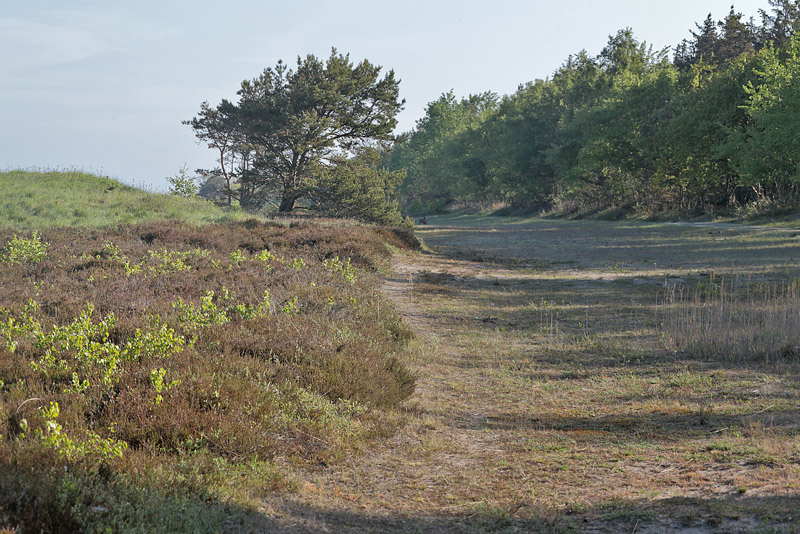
(432, 476)
(544, 403)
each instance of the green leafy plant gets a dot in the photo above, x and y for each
(344, 268)
(298, 264)
(160, 342)
(236, 257)
(54, 437)
(13, 329)
(182, 184)
(114, 253)
(248, 311)
(193, 317)
(82, 347)
(168, 261)
(265, 256)
(290, 307)
(20, 250)
(160, 385)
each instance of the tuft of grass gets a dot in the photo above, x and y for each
(732, 319)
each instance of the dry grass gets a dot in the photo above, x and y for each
(734, 319)
(547, 400)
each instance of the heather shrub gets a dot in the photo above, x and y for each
(159, 343)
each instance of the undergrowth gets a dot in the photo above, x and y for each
(164, 355)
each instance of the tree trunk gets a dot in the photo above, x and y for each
(287, 203)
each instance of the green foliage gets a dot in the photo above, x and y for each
(208, 312)
(290, 307)
(265, 256)
(160, 385)
(160, 341)
(112, 251)
(698, 144)
(287, 121)
(297, 264)
(359, 188)
(250, 311)
(155, 262)
(439, 157)
(20, 250)
(54, 437)
(81, 349)
(182, 184)
(628, 129)
(236, 257)
(167, 261)
(772, 148)
(345, 268)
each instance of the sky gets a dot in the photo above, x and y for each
(103, 86)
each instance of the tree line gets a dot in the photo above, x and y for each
(714, 124)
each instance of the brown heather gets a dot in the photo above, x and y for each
(306, 379)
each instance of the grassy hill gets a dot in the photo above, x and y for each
(38, 200)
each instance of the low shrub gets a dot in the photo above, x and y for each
(237, 342)
(20, 250)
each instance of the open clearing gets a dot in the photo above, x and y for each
(547, 400)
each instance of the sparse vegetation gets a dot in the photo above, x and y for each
(549, 401)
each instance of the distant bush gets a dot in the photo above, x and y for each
(182, 184)
(359, 188)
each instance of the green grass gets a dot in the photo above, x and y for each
(37, 200)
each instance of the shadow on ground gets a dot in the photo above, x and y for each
(725, 514)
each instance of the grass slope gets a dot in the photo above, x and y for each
(37, 200)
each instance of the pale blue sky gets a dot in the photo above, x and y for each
(104, 85)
